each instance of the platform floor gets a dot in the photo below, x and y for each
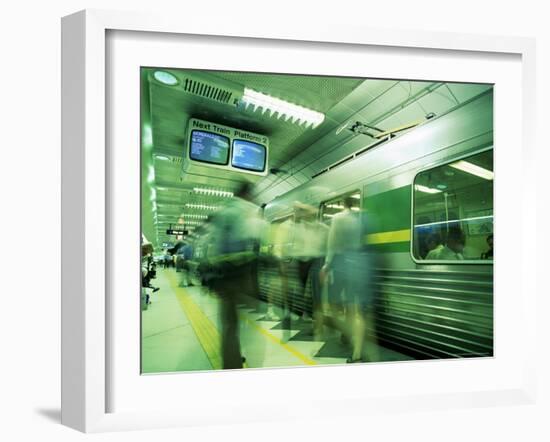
(181, 332)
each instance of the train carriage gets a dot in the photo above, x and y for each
(432, 179)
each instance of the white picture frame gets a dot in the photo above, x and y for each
(86, 215)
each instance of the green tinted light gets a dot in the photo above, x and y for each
(165, 78)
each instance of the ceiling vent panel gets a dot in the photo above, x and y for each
(214, 89)
(205, 86)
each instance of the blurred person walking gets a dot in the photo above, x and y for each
(185, 255)
(349, 268)
(232, 256)
(307, 249)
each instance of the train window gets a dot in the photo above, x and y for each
(453, 211)
(337, 205)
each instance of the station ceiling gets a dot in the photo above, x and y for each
(297, 152)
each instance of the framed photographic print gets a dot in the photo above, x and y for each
(270, 209)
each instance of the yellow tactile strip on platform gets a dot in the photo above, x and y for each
(206, 331)
(209, 336)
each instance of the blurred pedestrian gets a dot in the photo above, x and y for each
(349, 269)
(232, 256)
(308, 250)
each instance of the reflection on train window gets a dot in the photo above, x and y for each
(453, 210)
(332, 207)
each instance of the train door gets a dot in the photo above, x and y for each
(336, 205)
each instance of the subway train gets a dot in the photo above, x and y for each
(426, 182)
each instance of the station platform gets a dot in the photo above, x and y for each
(181, 332)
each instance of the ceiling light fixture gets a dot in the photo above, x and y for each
(213, 192)
(147, 136)
(179, 224)
(281, 109)
(472, 169)
(150, 174)
(425, 189)
(201, 206)
(193, 216)
(166, 78)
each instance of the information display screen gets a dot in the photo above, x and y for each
(209, 147)
(248, 155)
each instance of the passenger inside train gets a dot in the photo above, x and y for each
(306, 220)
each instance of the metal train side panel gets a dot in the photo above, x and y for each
(436, 312)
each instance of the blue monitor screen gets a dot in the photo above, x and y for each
(209, 147)
(248, 155)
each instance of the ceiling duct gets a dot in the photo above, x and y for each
(208, 90)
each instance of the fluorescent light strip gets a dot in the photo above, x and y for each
(181, 221)
(425, 189)
(475, 218)
(191, 222)
(147, 136)
(193, 215)
(472, 169)
(201, 206)
(213, 192)
(275, 106)
(151, 174)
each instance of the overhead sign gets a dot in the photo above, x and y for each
(213, 147)
(230, 132)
